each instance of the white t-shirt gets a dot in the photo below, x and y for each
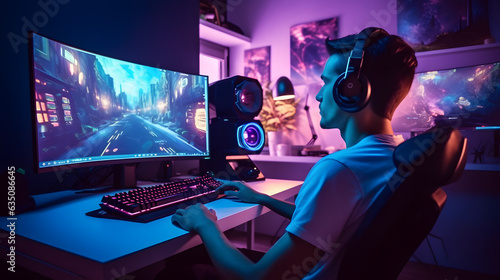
(334, 199)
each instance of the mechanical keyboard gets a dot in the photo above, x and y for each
(166, 197)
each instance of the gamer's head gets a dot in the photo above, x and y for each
(373, 89)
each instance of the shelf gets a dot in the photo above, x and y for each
(458, 57)
(222, 36)
(466, 49)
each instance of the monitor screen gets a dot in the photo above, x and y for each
(90, 109)
(465, 97)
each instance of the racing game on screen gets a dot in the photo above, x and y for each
(92, 108)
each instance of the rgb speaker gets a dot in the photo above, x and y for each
(236, 97)
(236, 137)
(234, 103)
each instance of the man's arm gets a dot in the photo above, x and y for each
(283, 261)
(283, 208)
(246, 194)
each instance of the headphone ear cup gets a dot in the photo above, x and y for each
(352, 94)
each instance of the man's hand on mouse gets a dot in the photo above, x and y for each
(194, 217)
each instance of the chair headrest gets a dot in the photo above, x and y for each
(434, 158)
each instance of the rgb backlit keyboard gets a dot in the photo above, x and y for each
(159, 197)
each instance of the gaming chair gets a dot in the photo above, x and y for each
(404, 215)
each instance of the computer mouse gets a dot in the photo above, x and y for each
(175, 223)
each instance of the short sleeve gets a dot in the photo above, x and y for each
(325, 204)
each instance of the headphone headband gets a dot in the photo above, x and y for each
(355, 60)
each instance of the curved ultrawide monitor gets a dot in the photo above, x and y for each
(90, 109)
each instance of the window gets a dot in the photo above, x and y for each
(213, 60)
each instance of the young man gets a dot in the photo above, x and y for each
(340, 188)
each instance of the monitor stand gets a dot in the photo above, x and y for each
(124, 176)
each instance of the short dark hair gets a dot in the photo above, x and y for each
(388, 62)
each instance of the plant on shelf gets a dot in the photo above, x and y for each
(277, 115)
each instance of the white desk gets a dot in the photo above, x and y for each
(61, 242)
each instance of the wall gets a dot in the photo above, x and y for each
(156, 33)
(268, 23)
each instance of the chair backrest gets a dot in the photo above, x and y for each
(405, 213)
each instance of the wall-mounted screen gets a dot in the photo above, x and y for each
(465, 97)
